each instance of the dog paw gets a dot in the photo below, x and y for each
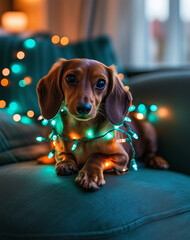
(90, 180)
(156, 162)
(66, 167)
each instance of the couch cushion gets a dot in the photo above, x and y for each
(18, 141)
(35, 204)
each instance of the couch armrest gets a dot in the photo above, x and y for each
(168, 90)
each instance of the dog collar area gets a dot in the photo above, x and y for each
(108, 135)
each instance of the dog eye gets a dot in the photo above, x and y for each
(101, 83)
(70, 79)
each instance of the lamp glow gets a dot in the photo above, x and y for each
(51, 154)
(132, 108)
(14, 21)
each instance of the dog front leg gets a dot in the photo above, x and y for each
(91, 176)
(65, 163)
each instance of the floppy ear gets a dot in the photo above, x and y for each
(118, 100)
(50, 94)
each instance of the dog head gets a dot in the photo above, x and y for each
(85, 87)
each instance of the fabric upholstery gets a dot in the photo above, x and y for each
(169, 91)
(18, 141)
(35, 203)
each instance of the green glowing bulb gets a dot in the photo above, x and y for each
(45, 122)
(54, 137)
(22, 83)
(53, 122)
(109, 135)
(50, 155)
(153, 108)
(134, 165)
(90, 133)
(74, 145)
(13, 107)
(26, 120)
(29, 43)
(16, 68)
(141, 108)
(127, 119)
(39, 139)
(135, 136)
(132, 108)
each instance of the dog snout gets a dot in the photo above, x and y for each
(83, 108)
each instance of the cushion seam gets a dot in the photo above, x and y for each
(106, 233)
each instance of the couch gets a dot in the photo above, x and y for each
(36, 204)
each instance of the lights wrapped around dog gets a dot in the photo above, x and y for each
(108, 135)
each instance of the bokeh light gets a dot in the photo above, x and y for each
(16, 117)
(5, 72)
(55, 39)
(28, 80)
(16, 68)
(22, 83)
(120, 76)
(20, 55)
(2, 104)
(30, 113)
(139, 116)
(64, 41)
(29, 43)
(4, 82)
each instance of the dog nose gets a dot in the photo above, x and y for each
(83, 108)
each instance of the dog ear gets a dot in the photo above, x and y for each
(118, 99)
(50, 94)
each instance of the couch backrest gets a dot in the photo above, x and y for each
(38, 61)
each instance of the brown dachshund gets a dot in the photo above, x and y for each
(93, 99)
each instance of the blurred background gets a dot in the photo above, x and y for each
(145, 33)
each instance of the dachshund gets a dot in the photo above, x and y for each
(85, 95)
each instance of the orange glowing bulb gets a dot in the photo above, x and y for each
(55, 39)
(139, 116)
(30, 113)
(20, 55)
(4, 82)
(5, 71)
(64, 41)
(2, 104)
(28, 80)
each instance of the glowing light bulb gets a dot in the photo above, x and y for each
(2, 104)
(4, 82)
(30, 113)
(153, 108)
(16, 68)
(20, 55)
(54, 137)
(127, 119)
(16, 117)
(132, 108)
(51, 154)
(139, 116)
(22, 83)
(64, 41)
(90, 133)
(53, 122)
(29, 43)
(55, 39)
(45, 122)
(40, 139)
(40, 117)
(109, 135)
(5, 72)
(142, 108)
(74, 145)
(134, 164)
(123, 140)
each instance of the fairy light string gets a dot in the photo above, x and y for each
(129, 135)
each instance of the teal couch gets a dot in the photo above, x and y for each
(36, 204)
